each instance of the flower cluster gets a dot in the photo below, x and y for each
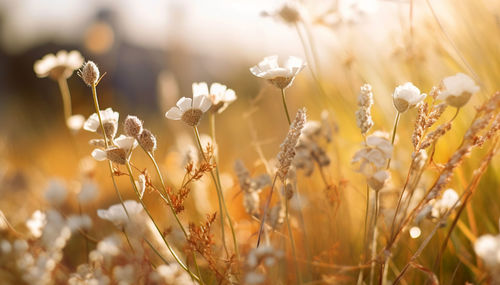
(372, 159)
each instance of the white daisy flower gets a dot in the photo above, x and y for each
(118, 153)
(190, 110)
(374, 156)
(457, 90)
(109, 121)
(280, 76)
(116, 214)
(407, 96)
(219, 95)
(58, 66)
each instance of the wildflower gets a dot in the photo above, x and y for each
(457, 90)
(147, 140)
(77, 222)
(59, 66)
(190, 110)
(308, 150)
(363, 114)
(119, 153)
(288, 13)
(37, 223)
(89, 73)
(56, 192)
(445, 204)
(265, 255)
(75, 122)
(88, 191)
(487, 248)
(219, 95)
(109, 121)
(281, 77)
(407, 96)
(375, 155)
(287, 148)
(116, 214)
(132, 126)
(377, 180)
(170, 274)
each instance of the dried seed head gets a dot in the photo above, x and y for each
(116, 155)
(132, 126)
(147, 140)
(288, 191)
(287, 152)
(192, 117)
(290, 14)
(89, 73)
(251, 203)
(110, 128)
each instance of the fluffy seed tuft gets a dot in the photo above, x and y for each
(89, 73)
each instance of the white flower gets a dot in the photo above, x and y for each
(75, 122)
(457, 90)
(109, 121)
(59, 66)
(37, 223)
(190, 110)
(374, 156)
(377, 180)
(219, 95)
(88, 191)
(407, 96)
(56, 192)
(488, 248)
(119, 153)
(281, 77)
(447, 202)
(116, 214)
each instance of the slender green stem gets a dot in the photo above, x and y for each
(66, 97)
(284, 106)
(106, 143)
(396, 121)
(374, 237)
(174, 254)
(169, 202)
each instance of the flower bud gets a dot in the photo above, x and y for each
(147, 140)
(89, 73)
(132, 126)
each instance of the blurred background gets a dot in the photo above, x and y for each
(153, 50)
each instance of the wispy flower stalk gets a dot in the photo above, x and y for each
(285, 158)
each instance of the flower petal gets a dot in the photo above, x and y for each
(205, 104)
(199, 89)
(185, 104)
(92, 123)
(125, 143)
(99, 154)
(174, 113)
